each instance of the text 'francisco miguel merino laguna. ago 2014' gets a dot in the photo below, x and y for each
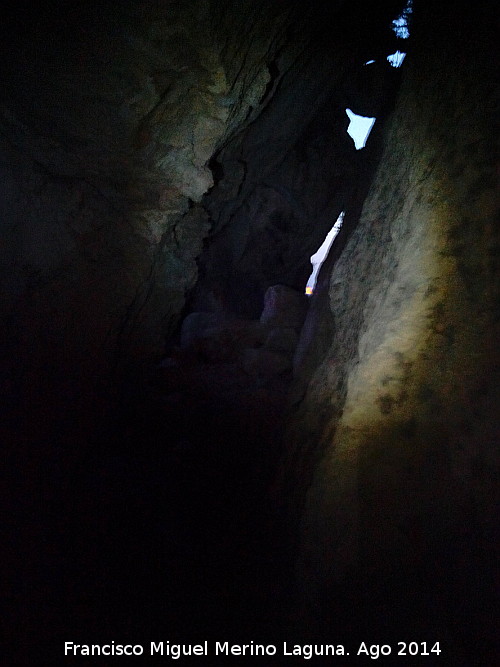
(305, 651)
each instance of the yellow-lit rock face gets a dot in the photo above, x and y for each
(402, 496)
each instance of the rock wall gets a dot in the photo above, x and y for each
(116, 119)
(109, 119)
(285, 177)
(396, 436)
(109, 116)
(115, 122)
(164, 157)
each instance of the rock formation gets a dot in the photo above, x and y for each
(192, 444)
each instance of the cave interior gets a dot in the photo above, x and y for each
(195, 448)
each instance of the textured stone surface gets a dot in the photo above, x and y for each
(114, 129)
(399, 509)
(107, 133)
(160, 158)
(282, 181)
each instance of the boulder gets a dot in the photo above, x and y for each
(284, 307)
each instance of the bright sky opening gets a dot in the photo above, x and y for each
(359, 128)
(400, 25)
(396, 59)
(319, 256)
